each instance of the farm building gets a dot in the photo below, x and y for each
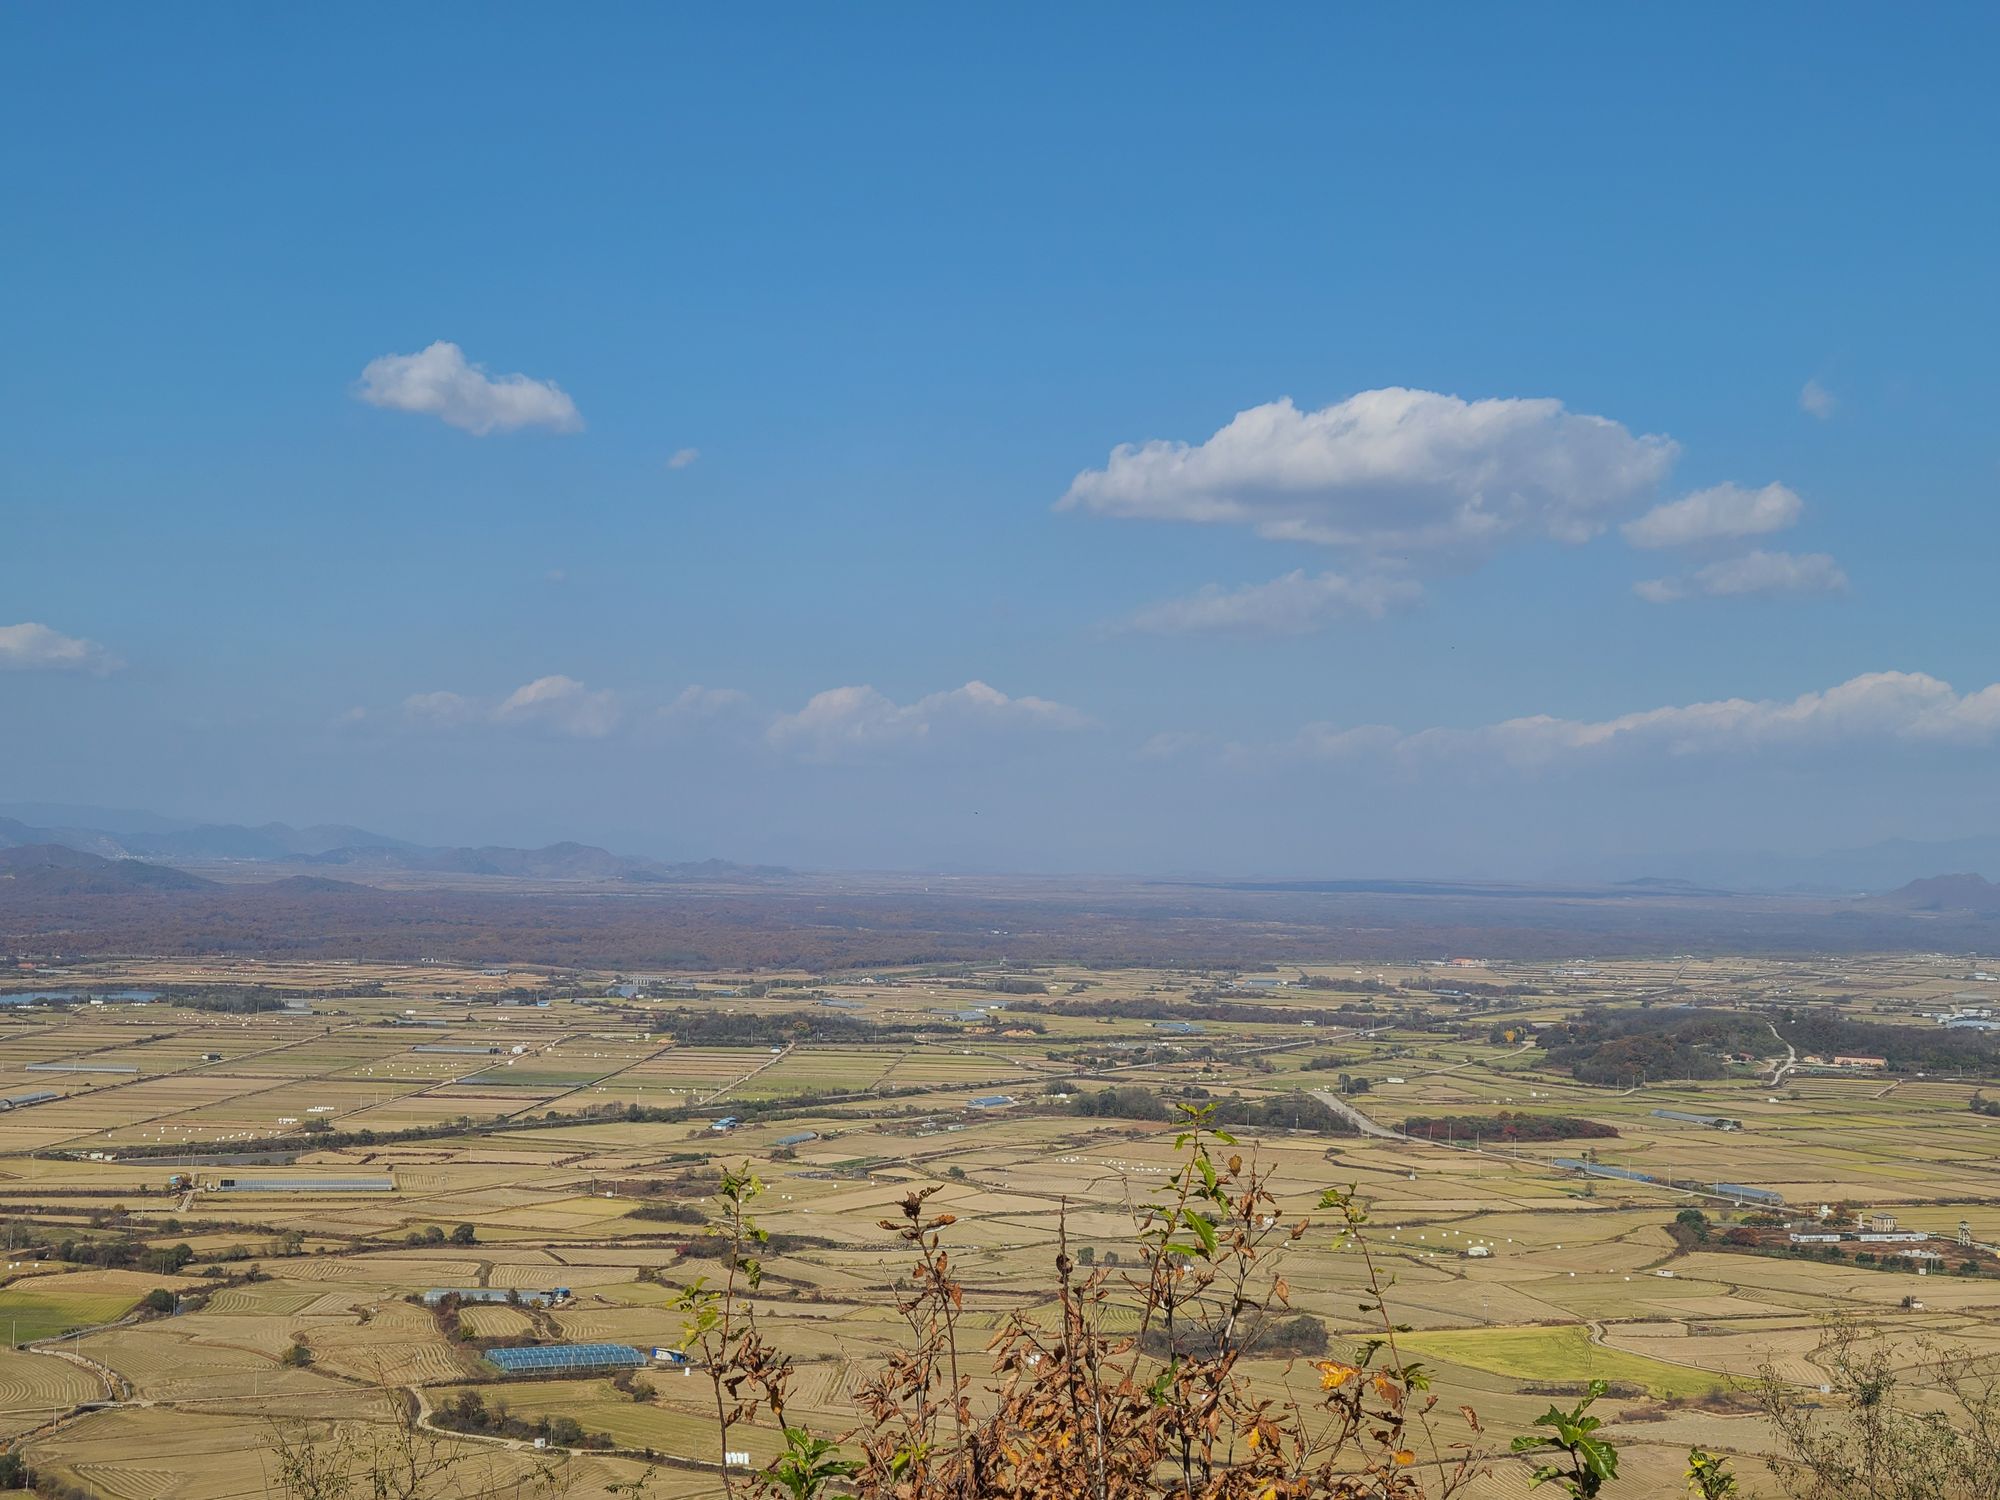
(991, 1101)
(1714, 1122)
(1749, 1194)
(1860, 1062)
(538, 1358)
(77, 1067)
(1734, 1190)
(303, 1185)
(456, 1048)
(1595, 1169)
(798, 1138)
(26, 1097)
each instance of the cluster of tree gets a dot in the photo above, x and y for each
(1349, 1083)
(120, 1254)
(1981, 1105)
(1205, 1005)
(234, 1000)
(1296, 1110)
(1328, 982)
(468, 1412)
(717, 1028)
(1630, 1044)
(669, 1213)
(1507, 1125)
(1921, 1049)
(433, 1234)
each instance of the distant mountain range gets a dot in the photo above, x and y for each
(1970, 895)
(55, 869)
(112, 834)
(1848, 872)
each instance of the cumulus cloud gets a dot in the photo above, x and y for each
(1390, 470)
(440, 382)
(29, 647)
(1815, 400)
(562, 704)
(1882, 708)
(1755, 575)
(846, 722)
(683, 457)
(557, 703)
(1291, 605)
(1724, 512)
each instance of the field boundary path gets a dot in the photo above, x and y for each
(117, 1389)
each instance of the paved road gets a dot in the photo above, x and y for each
(1782, 1070)
(1356, 1118)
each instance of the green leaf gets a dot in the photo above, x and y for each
(1204, 1231)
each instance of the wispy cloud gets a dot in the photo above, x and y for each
(29, 647)
(1755, 575)
(438, 381)
(1724, 512)
(1882, 708)
(1815, 400)
(846, 722)
(1294, 604)
(1390, 470)
(683, 457)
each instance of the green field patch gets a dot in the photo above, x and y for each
(1563, 1353)
(31, 1315)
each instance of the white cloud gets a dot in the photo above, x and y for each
(1290, 605)
(1724, 512)
(1755, 575)
(844, 722)
(1390, 470)
(439, 382)
(557, 703)
(1661, 590)
(562, 704)
(683, 457)
(29, 647)
(1883, 708)
(1815, 400)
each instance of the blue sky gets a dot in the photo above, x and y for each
(821, 315)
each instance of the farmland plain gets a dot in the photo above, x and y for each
(222, 1224)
